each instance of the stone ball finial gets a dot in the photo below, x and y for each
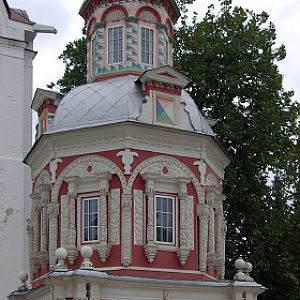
(248, 267)
(61, 254)
(86, 252)
(247, 270)
(23, 277)
(240, 264)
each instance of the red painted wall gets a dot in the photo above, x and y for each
(163, 259)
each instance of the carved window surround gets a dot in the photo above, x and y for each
(38, 231)
(155, 184)
(98, 183)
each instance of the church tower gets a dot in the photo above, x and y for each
(127, 196)
(17, 33)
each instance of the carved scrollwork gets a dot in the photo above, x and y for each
(175, 169)
(85, 167)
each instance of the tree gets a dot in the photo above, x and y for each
(74, 59)
(232, 59)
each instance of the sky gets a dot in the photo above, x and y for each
(63, 15)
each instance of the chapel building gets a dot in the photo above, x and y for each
(127, 198)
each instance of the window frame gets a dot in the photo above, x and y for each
(174, 198)
(81, 225)
(123, 45)
(153, 43)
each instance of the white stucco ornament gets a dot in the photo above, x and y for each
(53, 168)
(127, 159)
(23, 277)
(202, 170)
(61, 255)
(86, 252)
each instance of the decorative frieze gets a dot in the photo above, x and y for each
(138, 217)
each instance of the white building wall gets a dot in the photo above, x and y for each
(15, 140)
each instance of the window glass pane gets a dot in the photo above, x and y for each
(164, 219)
(159, 219)
(158, 234)
(169, 220)
(90, 219)
(147, 42)
(86, 235)
(169, 235)
(115, 45)
(94, 220)
(86, 220)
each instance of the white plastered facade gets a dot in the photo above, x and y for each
(16, 57)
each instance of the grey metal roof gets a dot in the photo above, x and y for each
(111, 101)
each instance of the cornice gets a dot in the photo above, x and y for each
(126, 135)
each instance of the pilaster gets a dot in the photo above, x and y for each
(203, 214)
(53, 220)
(126, 235)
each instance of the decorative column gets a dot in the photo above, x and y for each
(203, 214)
(30, 248)
(210, 198)
(151, 248)
(35, 222)
(68, 219)
(103, 247)
(53, 214)
(43, 215)
(186, 232)
(126, 235)
(114, 217)
(138, 209)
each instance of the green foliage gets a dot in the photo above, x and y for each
(74, 58)
(232, 59)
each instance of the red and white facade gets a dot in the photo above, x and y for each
(129, 167)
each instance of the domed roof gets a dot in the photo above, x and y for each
(111, 101)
